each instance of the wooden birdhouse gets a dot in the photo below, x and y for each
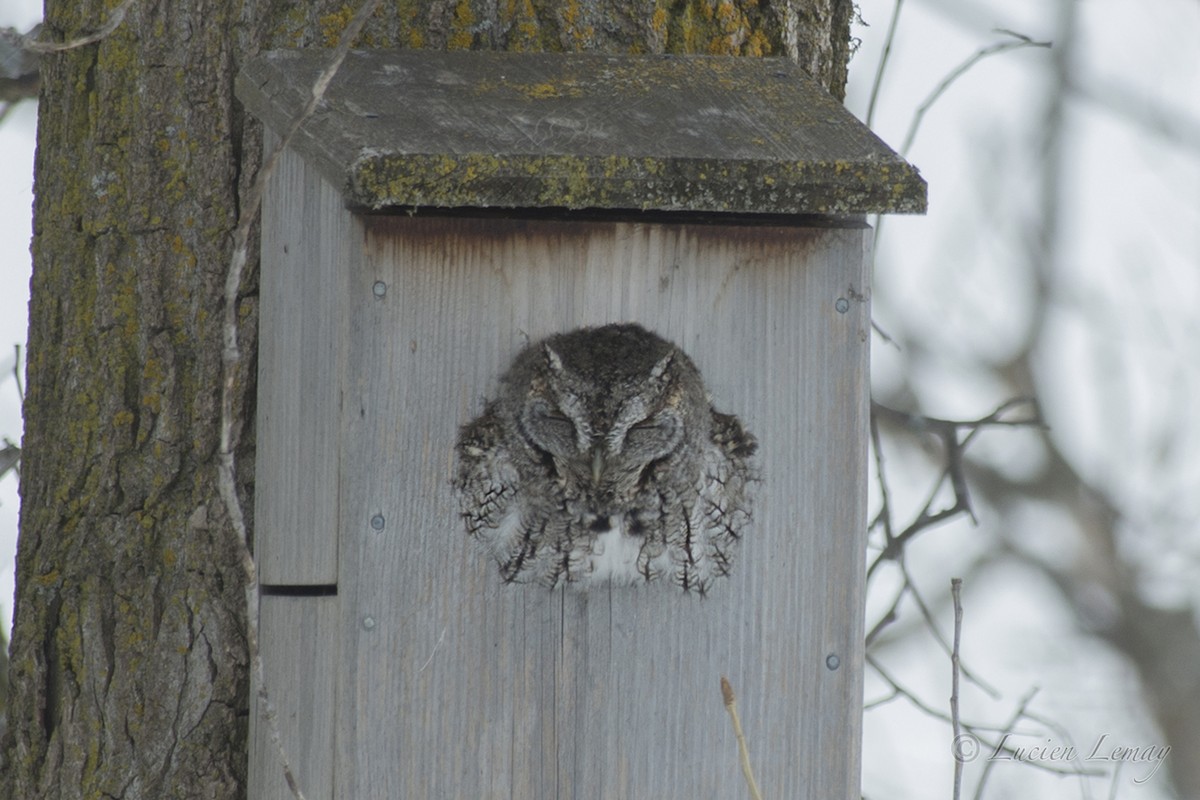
(436, 216)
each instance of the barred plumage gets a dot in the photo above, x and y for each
(601, 460)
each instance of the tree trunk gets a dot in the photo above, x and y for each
(129, 654)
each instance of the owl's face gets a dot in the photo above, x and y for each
(601, 461)
(601, 427)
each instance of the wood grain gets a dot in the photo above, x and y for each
(305, 239)
(299, 636)
(545, 130)
(451, 684)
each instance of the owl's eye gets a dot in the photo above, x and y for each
(549, 429)
(653, 438)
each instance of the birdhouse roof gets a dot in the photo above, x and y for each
(420, 128)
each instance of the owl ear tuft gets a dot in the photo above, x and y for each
(553, 359)
(662, 365)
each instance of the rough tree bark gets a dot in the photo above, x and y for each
(129, 663)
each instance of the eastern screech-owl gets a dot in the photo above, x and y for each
(601, 459)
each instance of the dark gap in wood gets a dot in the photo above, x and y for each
(310, 590)
(626, 215)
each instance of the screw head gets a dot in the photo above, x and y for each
(377, 522)
(379, 289)
(842, 305)
(368, 623)
(832, 661)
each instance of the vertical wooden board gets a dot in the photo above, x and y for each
(464, 687)
(305, 235)
(298, 637)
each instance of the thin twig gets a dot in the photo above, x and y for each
(888, 617)
(1008, 728)
(947, 647)
(17, 371)
(899, 690)
(10, 458)
(888, 39)
(743, 752)
(1016, 42)
(955, 590)
(948, 431)
(885, 506)
(909, 587)
(887, 337)
(231, 357)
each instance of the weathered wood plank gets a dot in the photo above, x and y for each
(302, 280)
(454, 685)
(298, 636)
(512, 130)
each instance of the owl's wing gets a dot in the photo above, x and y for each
(737, 443)
(487, 480)
(714, 523)
(527, 540)
(730, 472)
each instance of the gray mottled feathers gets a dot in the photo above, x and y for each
(601, 461)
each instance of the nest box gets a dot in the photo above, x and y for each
(436, 214)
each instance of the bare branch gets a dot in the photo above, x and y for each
(947, 648)
(1018, 714)
(948, 431)
(888, 617)
(979, 732)
(10, 457)
(1015, 42)
(888, 40)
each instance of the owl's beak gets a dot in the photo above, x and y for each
(597, 464)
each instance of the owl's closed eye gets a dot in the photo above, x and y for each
(601, 460)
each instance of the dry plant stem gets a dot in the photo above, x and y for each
(955, 593)
(743, 752)
(230, 358)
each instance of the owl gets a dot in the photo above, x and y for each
(601, 460)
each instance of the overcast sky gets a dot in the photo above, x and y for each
(16, 178)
